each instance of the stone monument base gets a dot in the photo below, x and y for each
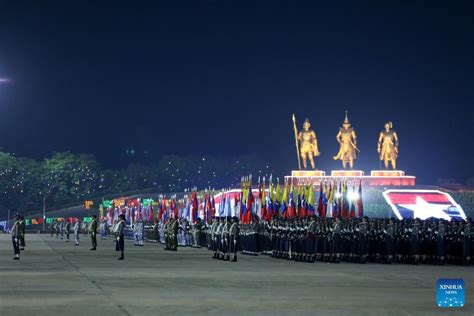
(307, 173)
(387, 173)
(347, 173)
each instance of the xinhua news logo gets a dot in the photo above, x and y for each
(450, 293)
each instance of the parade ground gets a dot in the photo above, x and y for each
(57, 278)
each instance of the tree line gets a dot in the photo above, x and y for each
(66, 178)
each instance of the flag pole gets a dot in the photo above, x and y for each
(296, 142)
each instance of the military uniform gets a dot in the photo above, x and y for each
(67, 230)
(233, 239)
(119, 237)
(467, 236)
(93, 233)
(197, 234)
(22, 233)
(174, 234)
(16, 235)
(362, 231)
(77, 231)
(441, 233)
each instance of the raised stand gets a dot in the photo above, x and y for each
(347, 173)
(387, 173)
(376, 178)
(307, 173)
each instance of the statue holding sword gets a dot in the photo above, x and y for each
(347, 140)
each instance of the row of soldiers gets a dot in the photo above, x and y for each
(224, 235)
(378, 240)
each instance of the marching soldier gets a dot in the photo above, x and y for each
(93, 232)
(16, 235)
(119, 236)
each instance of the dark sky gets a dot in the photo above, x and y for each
(223, 77)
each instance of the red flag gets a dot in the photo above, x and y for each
(250, 200)
(360, 204)
(320, 201)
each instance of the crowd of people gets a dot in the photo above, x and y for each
(377, 240)
(308, 239)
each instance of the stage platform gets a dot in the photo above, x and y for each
(376, 178)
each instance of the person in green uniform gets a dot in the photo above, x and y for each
(93, 232)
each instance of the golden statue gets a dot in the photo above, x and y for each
(308, 144)
(347, 140)
(387, 146)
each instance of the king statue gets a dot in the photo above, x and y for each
(387, 146)
(347, 140)
(308, 144)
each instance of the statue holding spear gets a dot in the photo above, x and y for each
(306, 144)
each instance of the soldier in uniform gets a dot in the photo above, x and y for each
(233, 238)
(93, 232)
(119, 236)
(255, 233)
(67, 229)
(197, 233)
(336, 241)
(56, 227)
(362, 232)
(225, 240)
(441, 233)
(467, 235)
(218, 239)
(77, 231)
(61, 227)
(415, 231)
(16, 235)
(174, 234)
(388, 241)
(166, 234)
(22, 233)
(156, 231)
(213, 231)
(311, 239)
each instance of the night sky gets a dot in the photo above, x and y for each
(223, 78)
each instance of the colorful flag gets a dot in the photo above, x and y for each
(360, 204)
(310, 200)
(320, 201)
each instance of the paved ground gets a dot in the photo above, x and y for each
(56, 278)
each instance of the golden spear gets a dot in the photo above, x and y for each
(296, 142)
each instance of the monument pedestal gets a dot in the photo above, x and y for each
(387, 173)
(308, 173)
(347, 173)
(376, 178)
